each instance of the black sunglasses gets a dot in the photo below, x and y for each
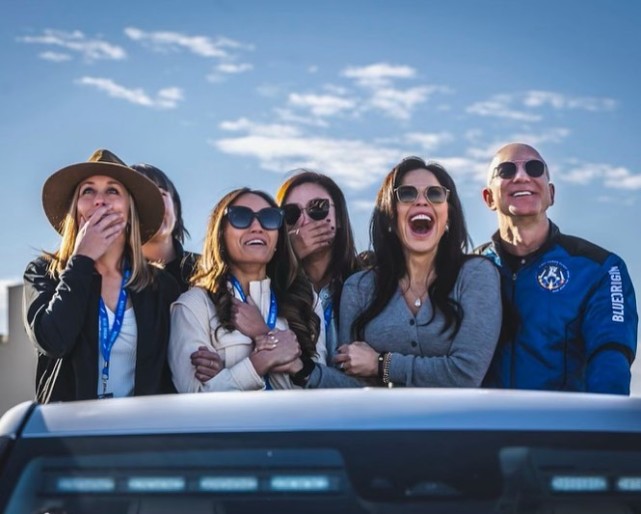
(239, 216)
(433, 194)
(507, 170)
(316, 208)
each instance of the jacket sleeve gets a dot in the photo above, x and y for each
(327, 376)
(190, 329)
(55, 310)
(472, 349)
(610, 330)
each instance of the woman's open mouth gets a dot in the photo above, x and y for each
(421, 224)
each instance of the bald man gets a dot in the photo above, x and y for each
(570, 317)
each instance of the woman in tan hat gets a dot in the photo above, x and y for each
(97, 312)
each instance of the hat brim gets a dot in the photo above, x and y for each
(58, 190)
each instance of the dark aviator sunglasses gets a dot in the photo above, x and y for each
(507, 170)
(433, 194)
(317, 209)
(239, 216)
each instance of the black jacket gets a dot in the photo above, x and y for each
(183, 266)
(61, 318)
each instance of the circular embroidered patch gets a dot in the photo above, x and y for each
(553, 276)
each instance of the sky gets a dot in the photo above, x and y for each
(224, 94)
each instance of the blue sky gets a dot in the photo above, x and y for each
(222, 94)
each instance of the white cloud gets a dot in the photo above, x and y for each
(398, 103)
(500, 106)
(429, 141)
(166, 98)
(257, 129)
(232, 68)
(613, 177)
(76, 41)
(560, 101)
(54, 56)
(379, 74)
(521, 106)
(355, 163)
(321, 105)
(287, 115)
(202, 46)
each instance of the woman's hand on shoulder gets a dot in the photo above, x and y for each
(98, 232)
(207, 364)
(247, 318)
(357, 359)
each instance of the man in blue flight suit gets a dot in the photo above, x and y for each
(570, 317)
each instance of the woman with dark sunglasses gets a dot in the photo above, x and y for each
(321, 235)
(250, 313)
(426, 314)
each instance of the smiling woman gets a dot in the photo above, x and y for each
(251, 312)
(426, 315)
(96, 311)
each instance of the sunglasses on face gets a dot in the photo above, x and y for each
(239, 216)
(433, 194)
(507, 170)
(317, 209)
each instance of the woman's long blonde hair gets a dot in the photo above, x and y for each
(141, 275)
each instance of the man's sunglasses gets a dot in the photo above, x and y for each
(433, 194)
(507, 170)
(239, 216)
(317, 209)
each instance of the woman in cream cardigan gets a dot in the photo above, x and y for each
(251, 313)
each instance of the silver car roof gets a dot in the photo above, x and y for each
(337, 409)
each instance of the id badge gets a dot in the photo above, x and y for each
(105, 396)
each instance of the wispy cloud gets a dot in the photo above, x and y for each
(613, 177)
(75, 42)
(321, 105)
(500, 106)
(355, 163)
(429, 141)
(289, 116)
(378, 81)
(378, 74)
(54, 56)
(560, 101)
(203, 46)
(167, 98)
(522, 106)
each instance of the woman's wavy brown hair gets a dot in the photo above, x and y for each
(343, 262)
(294, 293)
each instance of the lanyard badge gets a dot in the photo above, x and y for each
(108, 335)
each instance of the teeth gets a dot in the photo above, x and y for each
(522, 193)
(418, 217)
(255, 242)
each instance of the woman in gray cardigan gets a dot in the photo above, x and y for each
(427, 314)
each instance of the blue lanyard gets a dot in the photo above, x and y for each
(271, 316)
(273, 306)
(328, 312)
(108, 336)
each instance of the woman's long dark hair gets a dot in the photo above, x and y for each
(390, 266)
(294, 293)
(343, 262)
(158, 177)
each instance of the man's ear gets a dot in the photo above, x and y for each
(552, 193)
(488, 198)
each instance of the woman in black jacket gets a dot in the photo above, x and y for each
(97, 312)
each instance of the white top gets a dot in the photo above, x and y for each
(122, 362)
(193, 324)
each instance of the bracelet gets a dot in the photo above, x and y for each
(381, 361)
(386, 364)
(300, 377)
